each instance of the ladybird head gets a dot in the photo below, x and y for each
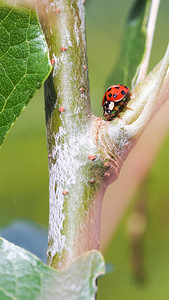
(108, 108)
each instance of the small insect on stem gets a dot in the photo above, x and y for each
(57, 10)
(63, 49)
(107, 164)
(114, 100)
(65, 192)
(91, 157)
(61, 109)
(106, 174)
(52, 61)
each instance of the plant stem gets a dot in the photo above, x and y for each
(75, 169)
(85, 153)
(150, 34)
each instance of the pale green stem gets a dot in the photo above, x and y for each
(74, 175)
(149, 40)
(85, 153)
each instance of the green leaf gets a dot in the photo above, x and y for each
(24, 276)
(24, 62)
(133, 47)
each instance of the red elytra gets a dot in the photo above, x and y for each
(115, 93)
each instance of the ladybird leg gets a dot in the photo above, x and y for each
(128, 107)
(120, 103)
(125, 105)
(127, 99)
(117, 109)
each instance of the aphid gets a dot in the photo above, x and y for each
(52, 61)
(65, 192)
(61, 109)
(57, 10)
(63, 49)
(91, 157)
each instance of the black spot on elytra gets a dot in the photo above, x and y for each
(123, 92)
(114, 95)
(110, 95)
(108, 90)
(117, 87)
(126, 87)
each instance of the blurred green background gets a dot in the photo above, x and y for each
(24, 170)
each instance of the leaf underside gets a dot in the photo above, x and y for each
(24, 62)
(133, 46)
(24, 276)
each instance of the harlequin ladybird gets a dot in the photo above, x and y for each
(114, 100)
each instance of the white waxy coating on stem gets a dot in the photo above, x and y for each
(70, 153)
(81, 7)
